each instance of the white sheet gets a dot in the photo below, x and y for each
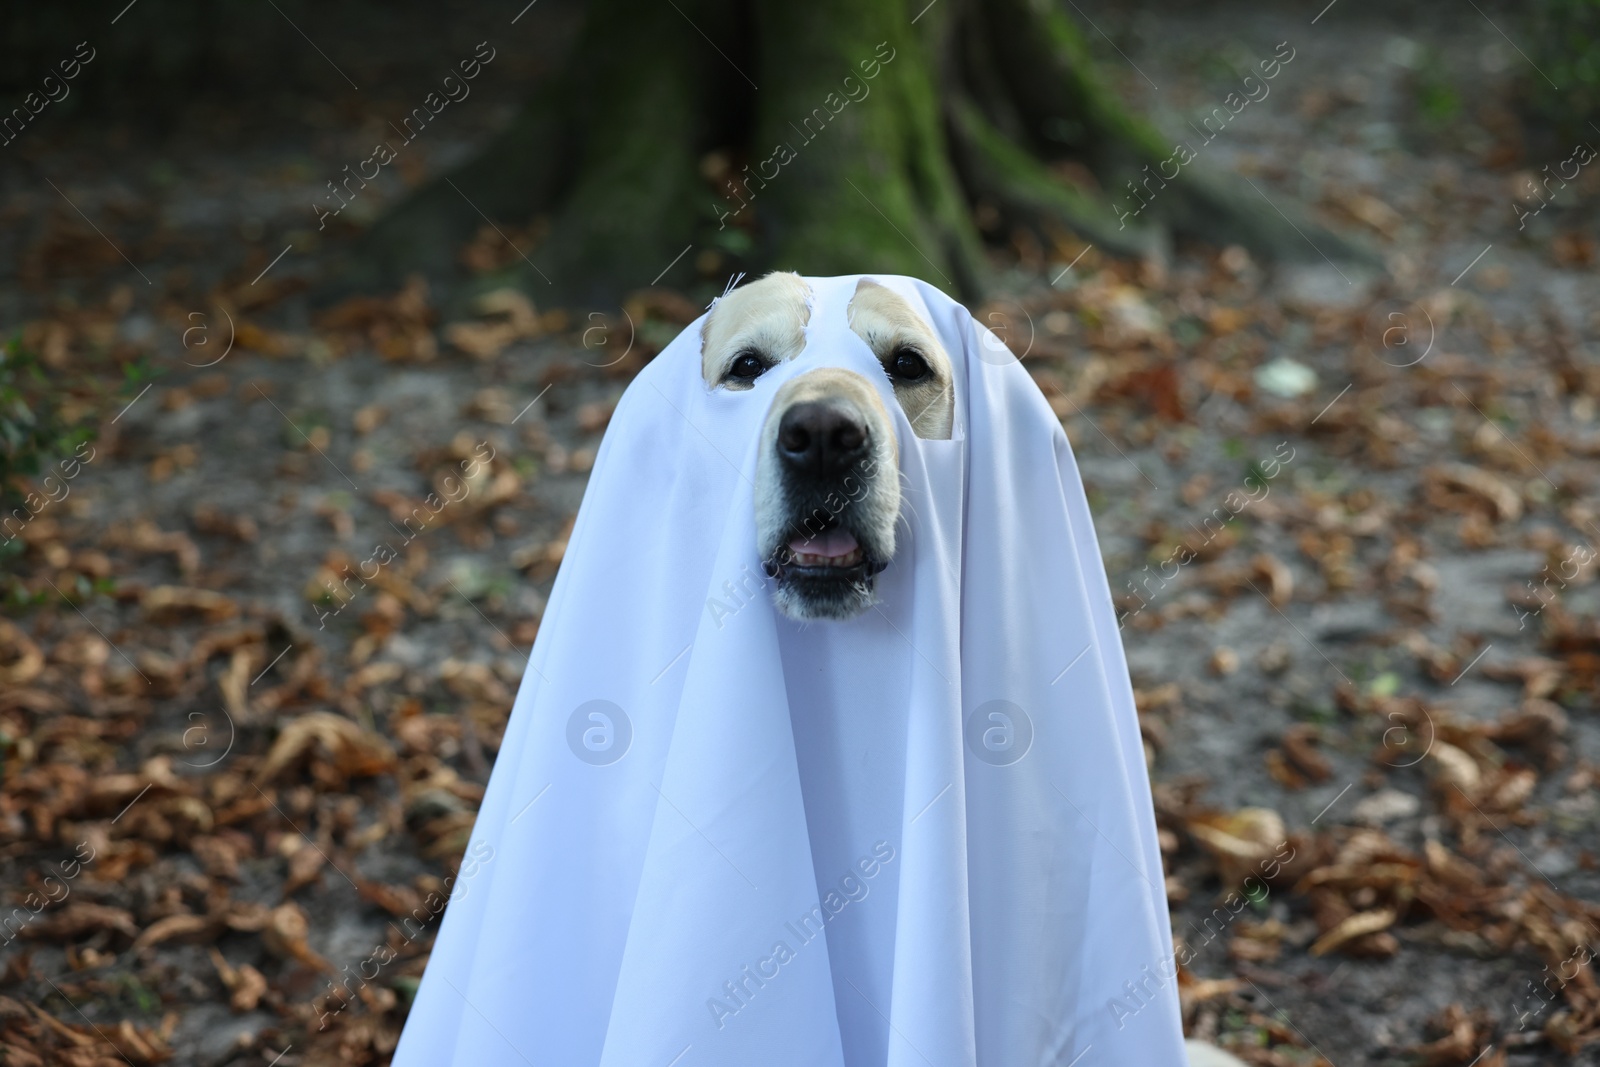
(951, 786)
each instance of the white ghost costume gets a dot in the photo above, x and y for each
(716, 837)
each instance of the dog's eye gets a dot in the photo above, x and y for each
(907, 365)
(745, 368)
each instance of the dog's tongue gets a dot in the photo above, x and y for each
(836, 542)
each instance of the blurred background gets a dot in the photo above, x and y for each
(1312, 289)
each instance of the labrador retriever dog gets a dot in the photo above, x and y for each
(827, 487)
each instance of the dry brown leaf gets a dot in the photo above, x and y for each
(1453, 766)
(20, 659)
(1464, 1041)
(145, 536)
(506, 316)
(352, 750)
(1277, 576)
(79, 1039)
(245, 983)
(247, 994)
(1194, 991)
(399, 327)
(394, 899)
(1357, 925)
(1282, 771)
(1373, 212)
(1300, 745)
(1539, 726)
(166, 602)
(80, 918)
(174, 926)
(17, 1056)
(1490, 488)
(285, 935)
(305, 864)
(1239, 841)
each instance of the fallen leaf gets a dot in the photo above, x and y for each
(350, 749)
(1239, 841)
(167, 602)
(80, 918)
(1357, 925)
(20, 659)
(1452, 766)
(1493, 490)
(173, 926)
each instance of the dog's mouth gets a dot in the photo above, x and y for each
(828, 550)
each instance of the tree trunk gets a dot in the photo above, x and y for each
(709, 136)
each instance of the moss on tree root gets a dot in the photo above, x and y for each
(860, 137)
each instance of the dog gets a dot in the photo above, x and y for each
(691, 846)
(827, 486)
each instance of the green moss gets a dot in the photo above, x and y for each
(1024, 187)
(870, 186)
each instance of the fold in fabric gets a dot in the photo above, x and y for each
(715, 837)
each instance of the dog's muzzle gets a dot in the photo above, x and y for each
(827, 495)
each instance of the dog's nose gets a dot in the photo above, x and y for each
(820, 439)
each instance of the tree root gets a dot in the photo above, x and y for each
(868, 141)
(1063, 113)
(1027, 194)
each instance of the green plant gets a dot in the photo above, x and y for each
(1565, 42)
(33, 432)
(1437, 98)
